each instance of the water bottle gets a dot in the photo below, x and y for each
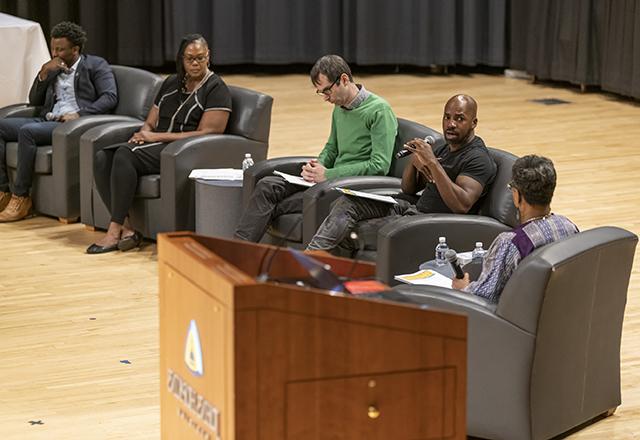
(478, 252)
(247, 162)
(441, 249)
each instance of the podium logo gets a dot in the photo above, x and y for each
(193, 350)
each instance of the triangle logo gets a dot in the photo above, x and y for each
(193, 350)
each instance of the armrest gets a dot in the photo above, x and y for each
(408, 241)
(289, 165)
(65, 159)
(499, 361)
(448, 299)
(19, 110)
(179, 158)
(66, 140)
(92, 141)
(317, 200)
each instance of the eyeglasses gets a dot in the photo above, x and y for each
(327, 90)
(199, 59)
(511, 186)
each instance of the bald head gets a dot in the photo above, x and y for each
(466, 102)
(459, 120)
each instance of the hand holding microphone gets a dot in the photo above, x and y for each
(405, 151)
(452, 258)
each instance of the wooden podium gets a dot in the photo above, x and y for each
(245, 360)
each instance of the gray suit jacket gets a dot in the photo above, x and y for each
(95, 88)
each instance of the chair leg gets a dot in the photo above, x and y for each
(68, 220)
(610, 412)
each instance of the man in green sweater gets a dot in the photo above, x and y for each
(363, 131)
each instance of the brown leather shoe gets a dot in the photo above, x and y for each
(17, 209)
(4, 199)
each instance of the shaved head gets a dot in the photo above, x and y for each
(467, 102)
(459, 120)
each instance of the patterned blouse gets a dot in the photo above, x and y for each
(506, 251)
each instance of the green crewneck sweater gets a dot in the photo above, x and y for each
(361, 140)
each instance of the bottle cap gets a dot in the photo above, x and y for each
(442, 239)
(478, 244)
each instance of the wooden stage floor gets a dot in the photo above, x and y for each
(79, 333)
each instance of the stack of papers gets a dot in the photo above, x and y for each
(216, 174)
(366, 195)
(296, 180)
(425, 277)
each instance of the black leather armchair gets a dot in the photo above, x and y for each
(290, 229)
(546, 357)
(56, 187)
(166, 201)
(406, 242)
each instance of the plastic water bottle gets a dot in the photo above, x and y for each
(478, 252)
(441, 249)
(247, 162)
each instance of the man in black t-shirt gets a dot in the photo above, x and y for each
(453, 177)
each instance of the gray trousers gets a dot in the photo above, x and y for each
(362, 216)
(272, 197)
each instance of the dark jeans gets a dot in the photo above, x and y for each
(116, 172)
(364, 216)
(272, 197)
(29, 133)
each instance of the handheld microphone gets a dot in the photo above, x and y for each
(402, 153)
(452, 258)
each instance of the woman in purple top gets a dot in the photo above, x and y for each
(532, 186)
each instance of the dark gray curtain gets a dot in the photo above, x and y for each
(620, 68)
(425, 32)
(591, 42)
(413, 32)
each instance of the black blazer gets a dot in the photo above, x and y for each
(94, 83)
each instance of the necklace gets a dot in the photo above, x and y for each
(540, 217)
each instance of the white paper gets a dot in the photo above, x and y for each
(425, 278)
(366, 195)
(296, 180)
(216, 174)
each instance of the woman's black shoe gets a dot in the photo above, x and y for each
(95, 249)
(130, 242)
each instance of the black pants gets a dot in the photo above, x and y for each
(29, 133)
(117, 170)
(272, 197)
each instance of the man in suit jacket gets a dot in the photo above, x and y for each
(68, 86)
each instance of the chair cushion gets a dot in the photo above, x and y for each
(149, 187)
(287, 224)
(136, 90)
(43, 158)
(498, 202)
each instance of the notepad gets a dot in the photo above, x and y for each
(216, 174)
(366, 195)
(296, 180)
(425, 277)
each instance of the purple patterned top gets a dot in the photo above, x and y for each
(509, 248)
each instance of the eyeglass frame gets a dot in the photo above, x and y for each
(511, 186)
(327, 90)
(199, 59)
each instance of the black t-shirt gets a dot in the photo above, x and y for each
(189, 108)
(472, 160)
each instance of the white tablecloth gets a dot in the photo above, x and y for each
(24, 51)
